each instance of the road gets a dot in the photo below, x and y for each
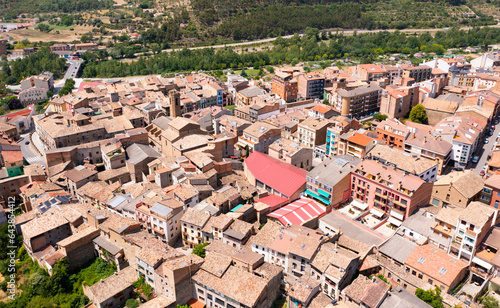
(344, 32)
(29, 154)
(74, 66)
(484, 149)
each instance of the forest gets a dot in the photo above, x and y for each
(291, 51)
(10, 9)
(43, 60)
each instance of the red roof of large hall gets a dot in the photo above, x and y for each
(298, 212)
(283, 177)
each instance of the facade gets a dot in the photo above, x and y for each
(340, 125)
(418, 73)
(311, 85)
(258, 136)
(490, 194)
(32, 96)
(330, 181)
(457, 189)
(292, 153)
(393, 132)
(388, 192)
(355, 144)
(192, 222)
(285, 86)
(359, 102)
(312, 131)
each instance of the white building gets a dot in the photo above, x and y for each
(165, 222)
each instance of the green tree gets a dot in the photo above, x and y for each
(199, 250)
(418, 114)
(243, 73)
(490, 302)
(431, 297)
(132, 303)
(379, 116)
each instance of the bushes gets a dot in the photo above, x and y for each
(200, 250)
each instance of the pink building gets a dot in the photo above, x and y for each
(388, 192)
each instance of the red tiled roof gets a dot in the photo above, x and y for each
(23, 112)
(298, 212)
(11, 157)
(281, 176)
(194, 303)
(273, 201)
(90, 84)
(360, 139)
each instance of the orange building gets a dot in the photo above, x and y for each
(285, 86)
(393, 132)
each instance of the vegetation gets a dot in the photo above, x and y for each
(132, 303)
(141, 286)
(379, 116)
(10, 103)
(418, 114)
(43, 60)
(200, 250)
(293, 50)
(431, 297)
(62, 289)
(69, 84)
(490, 302)
(12, 8)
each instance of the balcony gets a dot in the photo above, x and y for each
(470, 233)
(441, 229)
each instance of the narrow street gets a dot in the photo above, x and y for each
(484, 149)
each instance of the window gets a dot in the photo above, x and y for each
(443, 270)
(420, 276)
(414, 273)
(421, 260)
(435, 202)
(430, 281)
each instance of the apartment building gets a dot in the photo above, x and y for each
(293, 153)
(388, 192)
(424, 168)
(359, 102)
(229, 123)
(457, 189)
(245, 96)
(113, 155)
(78, 177)
(463, 133)
(258, 136)
(490, 194)
(32, 96)
(471, 228)
(418, 73)
(285, 86)
(340, 125)
(355, 144)
(393, 132)
(312, 131)
(322, 111)
(369, 72)
(192, 223)
(444, 227)
(165, 220)
(311, 85)
(421, 142)
(330, 181)
(43, 81)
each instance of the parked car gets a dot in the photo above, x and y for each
(486, 141)
(492, 126)
(27, 142)
(482, 173)
(475, 159)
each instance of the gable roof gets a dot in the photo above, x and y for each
(271, 172)
(298, 212)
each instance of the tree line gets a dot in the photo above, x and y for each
(291, 51)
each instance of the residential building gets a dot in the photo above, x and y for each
(85, 46)
(268, 173)
(363, 292)
(369, 72)
(396, 103)
(229, 123)
(113, 155)
(340, 125)
(293, 153)
(422, 167)
(258, 136)
(471, 228)
(285, 86)
(245, 96)
(388, 191)
(457, 189)
(215, 227)
(393, 132)
(113, 291)
(165, 220)
(32, 96)
(438, 109)
(490, 194)
(43, 81)
(355, 144)
(359, 102)
(330, 181)
(422, 143)
(311, 85)
(192, 222)
(418, 73)
(78, 177)
(322, 111)
(312, 131)
(444, 227)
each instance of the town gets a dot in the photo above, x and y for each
(369, 185)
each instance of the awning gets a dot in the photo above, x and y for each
(482, 263)
(359, 205)
(394, 221)
(316, 196)
(377, 212)
(324, 193)
(397, 215)
(195, 303)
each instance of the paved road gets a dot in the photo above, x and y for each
(74, 66)
(29, 154)
(344, 32)
(484, 149)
